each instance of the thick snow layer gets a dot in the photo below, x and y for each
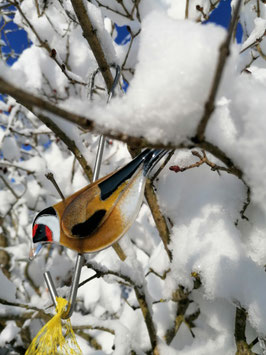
(257, 34)
(166, 97)
(165, 100)
(7, 289)
(10, 149)
(9, 333)
(96, 18)
(205, 239)
(246, 144)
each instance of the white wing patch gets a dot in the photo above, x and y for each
(132, 199)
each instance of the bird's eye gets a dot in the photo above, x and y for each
(41, 233)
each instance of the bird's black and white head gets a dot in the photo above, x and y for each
(45, 229)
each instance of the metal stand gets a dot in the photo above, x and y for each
(80, 258)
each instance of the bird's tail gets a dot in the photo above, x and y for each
(148, 158)
(151, 158)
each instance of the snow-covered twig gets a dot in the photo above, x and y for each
(240, 333)
(90, 33)
(140, 292)
(52, 52)
(224, 53)
(159, 219)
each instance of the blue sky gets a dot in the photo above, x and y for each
(18, 40)
(221, 16)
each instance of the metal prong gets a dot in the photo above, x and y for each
(98, 160)
(74, 287)
(80, 257)
(51, 287)
(115, 82)
(100, 149)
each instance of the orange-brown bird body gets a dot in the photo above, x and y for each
(96, 216)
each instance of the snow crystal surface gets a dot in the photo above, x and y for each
(247, 145)
(155, 106)
(7, 289)
(10, 148)
(9, 333)
(256, 34)
(96, 18)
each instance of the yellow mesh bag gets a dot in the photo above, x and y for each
(50, 339)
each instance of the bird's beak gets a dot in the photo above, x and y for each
(35, 249)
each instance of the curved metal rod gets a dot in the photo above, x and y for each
(51, 287)
(80, 257)
(100, 150)
(74, 287)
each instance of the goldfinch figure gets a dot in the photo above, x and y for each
(99, 214)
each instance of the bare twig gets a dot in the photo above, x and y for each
(90, 339)
(43, 109)
(246, 203)
(133, 36)
(163, 165)
(203, 159)
(110, 9)
(25, 306)
(182, 307)
(90, 34)
(121, 2)
(147, 315)
(240, 337)
(44, 44)
(258, 8)
(255, 43)
(140, 293)
(158, 217)
(136, 7)
(187, 7)
(219, 154)
(91, 327)
(9, 187)
(259, 49)
(162, 277)
(252, 60)
(33, 103)
(224, 53)
(50, 177)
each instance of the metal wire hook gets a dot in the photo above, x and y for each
(80, 257)
(115, 82)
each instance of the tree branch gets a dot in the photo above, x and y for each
(43, 109)
(224, 53)
(41, 313)
(182, 307)
(43, 43)
(219, 154)
(240, 329)
(90, 34)
(158, 217)
(140, 295)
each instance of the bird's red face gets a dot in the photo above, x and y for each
(41, 233)
(45, 229)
